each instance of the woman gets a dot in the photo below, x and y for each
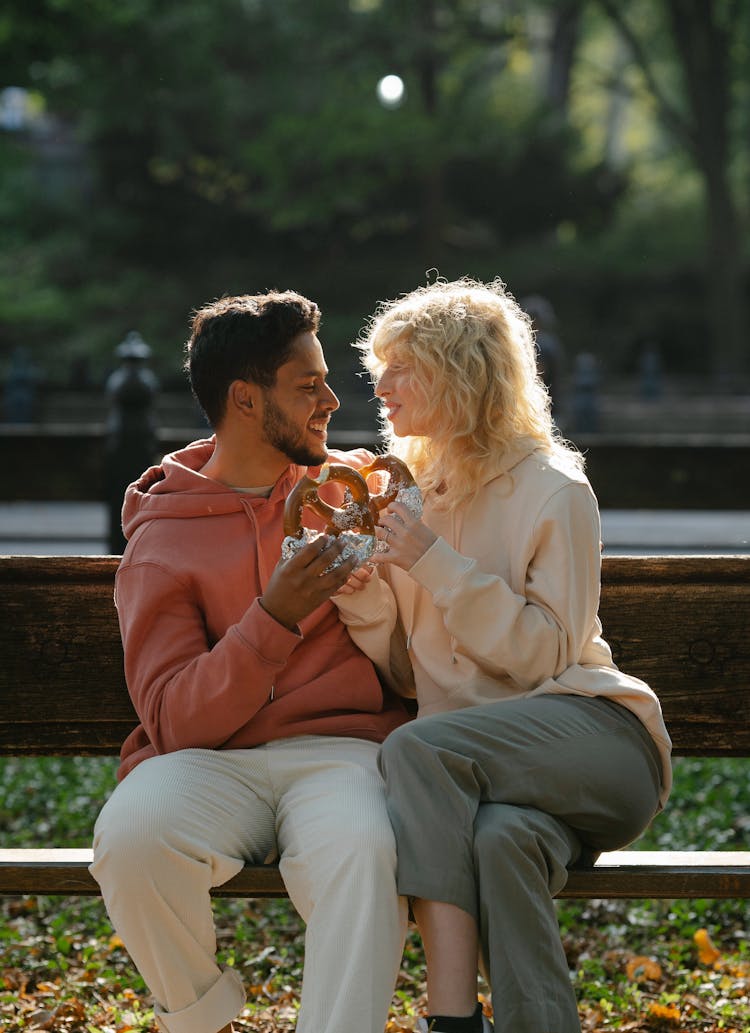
(532, 750)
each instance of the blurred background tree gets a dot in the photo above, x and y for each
(155, 155)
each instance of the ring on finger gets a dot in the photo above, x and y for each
(388, 533)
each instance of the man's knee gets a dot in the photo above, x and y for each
(130, 839)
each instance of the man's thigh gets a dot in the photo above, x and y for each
(218, 801)
(330, 792)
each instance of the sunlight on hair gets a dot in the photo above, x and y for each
(471, 351)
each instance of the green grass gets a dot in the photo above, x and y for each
(60, 963)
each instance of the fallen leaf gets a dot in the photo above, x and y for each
(486, 1005)
(708, 954)
(41, 1019)
(669, 1013)
(641, 968)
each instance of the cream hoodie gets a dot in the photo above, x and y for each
(206, 666)
(504, 604)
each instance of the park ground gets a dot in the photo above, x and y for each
(637, 966)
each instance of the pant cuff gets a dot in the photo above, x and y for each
(222, 1003)
(446, 893)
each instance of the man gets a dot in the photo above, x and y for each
(259, 718)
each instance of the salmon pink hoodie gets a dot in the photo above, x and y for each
(205, 665)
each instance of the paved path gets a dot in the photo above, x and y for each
(80, 528)
(53, 528)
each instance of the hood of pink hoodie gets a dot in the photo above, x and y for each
(177, 489)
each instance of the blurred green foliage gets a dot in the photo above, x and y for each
(56, 800)
(178, 152)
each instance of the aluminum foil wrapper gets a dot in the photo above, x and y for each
(411, 498)
(361, 546)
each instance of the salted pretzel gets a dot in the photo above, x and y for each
(401, 485)
(354, 521)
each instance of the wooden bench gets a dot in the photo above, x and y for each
(681, 623)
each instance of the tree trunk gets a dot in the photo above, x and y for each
(566, 21)
(703, 45)
(432, 183)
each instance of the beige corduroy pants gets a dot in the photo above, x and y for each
(181, 823)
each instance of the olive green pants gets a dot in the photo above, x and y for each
(492, 804)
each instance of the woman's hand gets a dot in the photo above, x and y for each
(405, 538)
(357, 580)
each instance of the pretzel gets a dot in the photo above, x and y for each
(401, 486)
(353, 522)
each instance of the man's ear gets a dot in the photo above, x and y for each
(243, 395)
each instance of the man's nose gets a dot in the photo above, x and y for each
(330, 401)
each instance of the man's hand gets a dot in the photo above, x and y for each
(300, 584)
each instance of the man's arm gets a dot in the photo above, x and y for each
(190, 692)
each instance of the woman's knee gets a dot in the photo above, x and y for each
(408, 744)
(499, 832)
(510, 840)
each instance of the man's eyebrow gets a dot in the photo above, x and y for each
(314, 373)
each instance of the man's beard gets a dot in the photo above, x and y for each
(287, 438)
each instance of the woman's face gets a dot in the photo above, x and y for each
(402, 398)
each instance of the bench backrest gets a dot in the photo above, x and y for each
(681, 623)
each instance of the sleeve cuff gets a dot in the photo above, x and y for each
(440, 568)
(365, 606)
(263, 634)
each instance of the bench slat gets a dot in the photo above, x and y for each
(663, 875)
(623, 874)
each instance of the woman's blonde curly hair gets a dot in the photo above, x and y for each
(470, 350)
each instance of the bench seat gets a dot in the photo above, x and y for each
(663, 874)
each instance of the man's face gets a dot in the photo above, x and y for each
(296, 410)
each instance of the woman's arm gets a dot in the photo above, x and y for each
(368, 609)
(537, 628)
